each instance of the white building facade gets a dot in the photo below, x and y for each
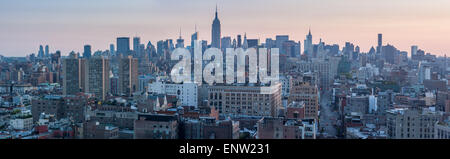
(185, 92)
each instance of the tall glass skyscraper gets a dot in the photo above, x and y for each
(41, 51)
(123, 45)
(136, 43)
(87, 51)
(47, 51)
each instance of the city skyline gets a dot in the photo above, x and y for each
(71, 25)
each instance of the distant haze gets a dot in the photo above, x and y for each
(67, 25)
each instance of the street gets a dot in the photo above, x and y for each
(327, 116)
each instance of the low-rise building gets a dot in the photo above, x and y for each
(279, 128)
(156, 127)
(442, 129)
(186, 92)
(97, 130)
(406, 123)
(245, 100)
(24, 122)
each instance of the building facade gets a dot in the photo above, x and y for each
(236, 100)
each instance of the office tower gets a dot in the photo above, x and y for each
(114, 85)
(298, 49)
(41, 51)
(87, 51)
(112, 49)
(226, 43)
(215, 32)
(326, 70)
(128, 75)
(333, 49)
(380, 43)
(308, 50)
(204, 46)
(290, 48)
(151, 49)
(245, 43)
(389, 53)
(348, 50)
(123, 45)
(170, 45)
(136, 43)
(245, 100)
(47, 51)
(252, 43)
(424, 72)
(193, 38)
(239, 41)
(71, 75)
(180, 42)
(142, 48)
(279, 40)
(57, 57)
(270, 43)
(160, 48)
(97, 77)
(413, 51)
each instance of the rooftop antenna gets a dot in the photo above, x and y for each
(216, 10)
(180, 32)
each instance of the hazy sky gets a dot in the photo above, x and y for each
(67, 25)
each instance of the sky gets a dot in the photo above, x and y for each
(67, 25)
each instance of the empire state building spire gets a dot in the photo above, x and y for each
(216, 32)
(216, 12)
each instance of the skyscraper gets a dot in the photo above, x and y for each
(71, 75)
(128, 75)
(180, 42)
(226, 43)
(239, 41)
(389, 53)
(41, 51)
(279, 40)
(308, 45)
(123, 45)
(136, 43)
(245, 43)
(380, 43)
(97, 77)
(193, 38)
(87, 51)
(216, 33)
(47, 51)
(414, 50)
(112, 49)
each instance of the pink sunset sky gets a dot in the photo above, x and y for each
(68, 25)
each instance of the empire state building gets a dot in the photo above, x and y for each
(215, 32)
